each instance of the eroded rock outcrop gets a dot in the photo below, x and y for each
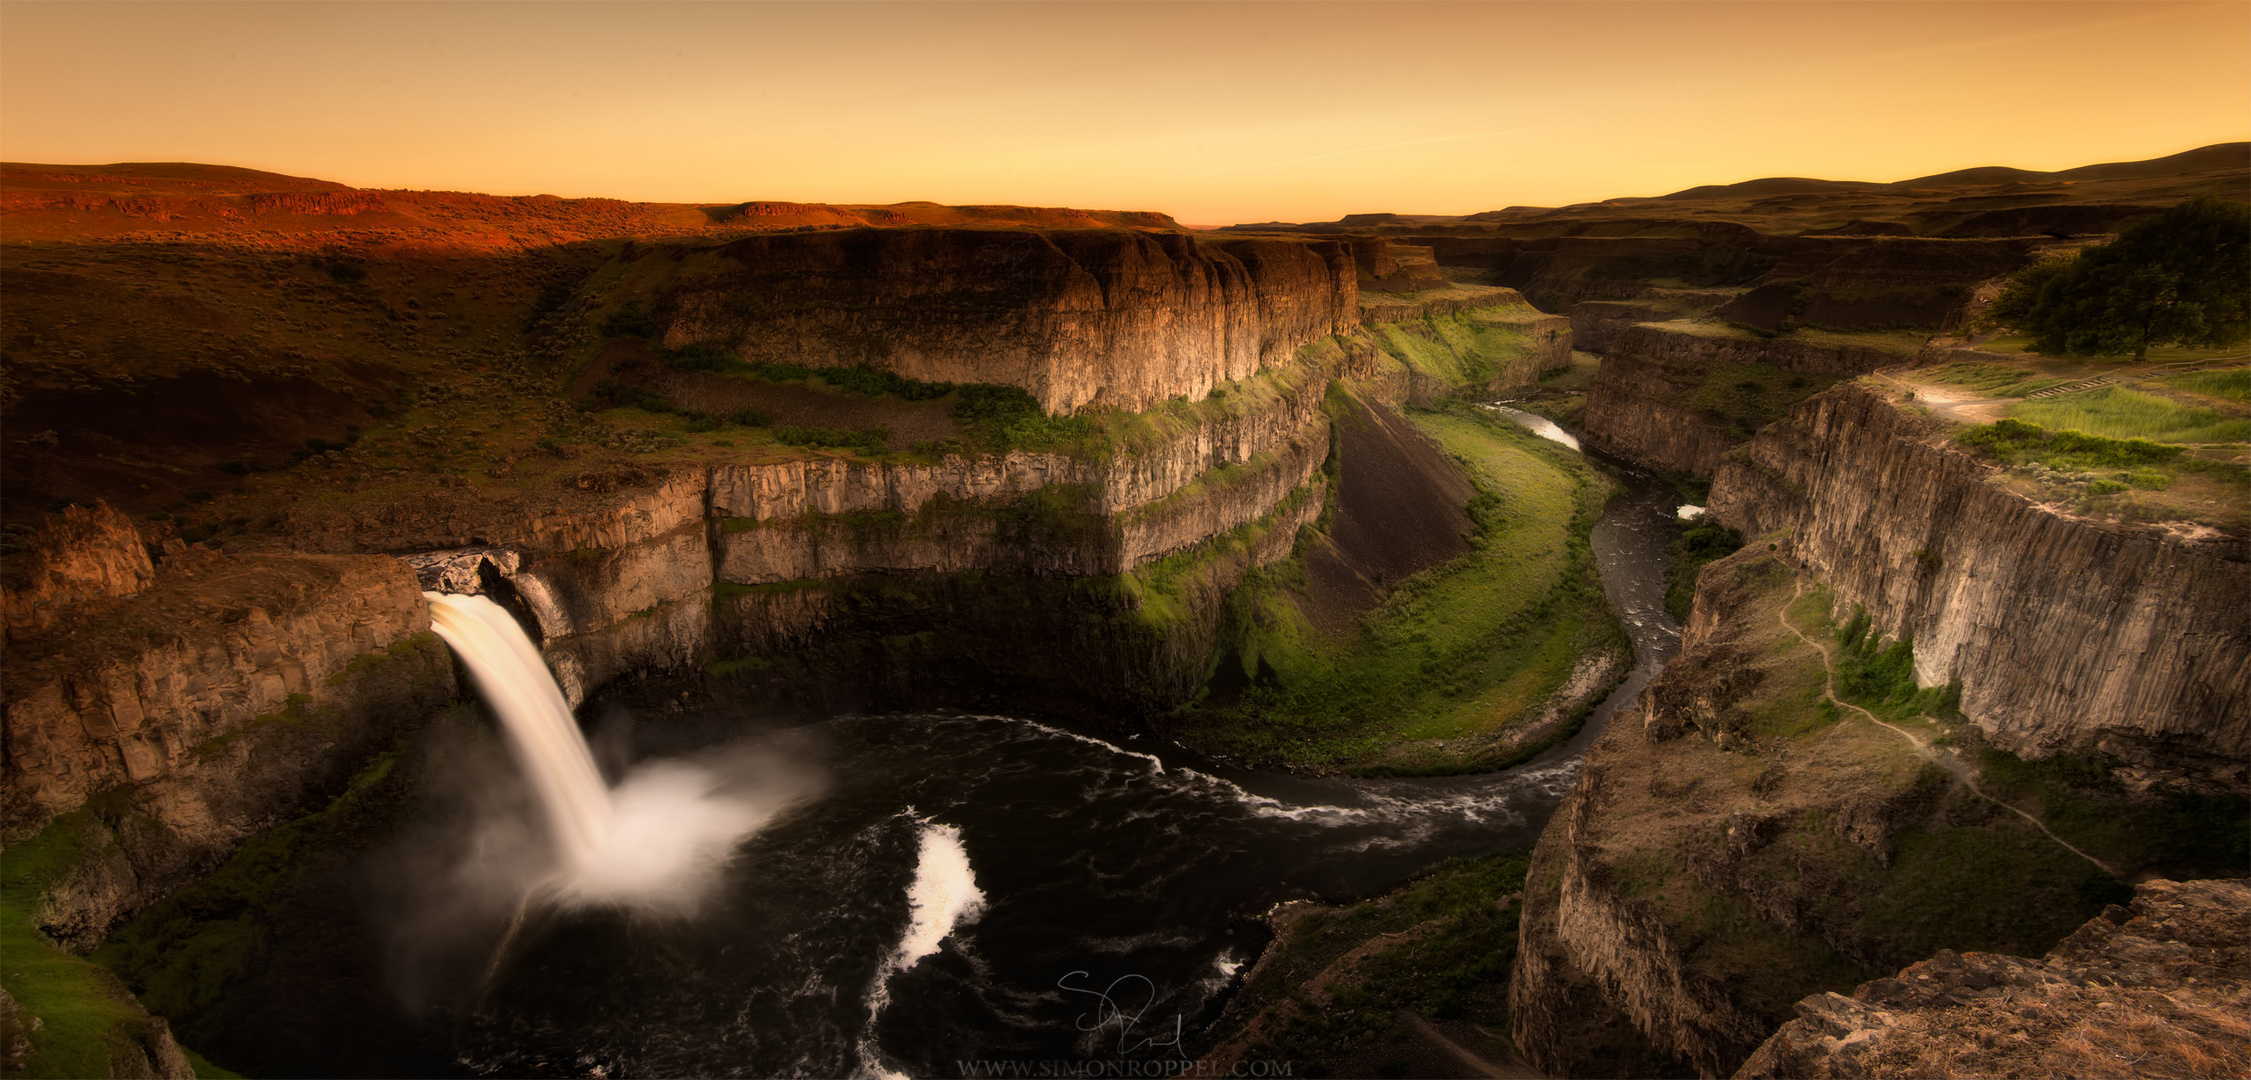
(1678, 396)
(2066, 634)
(81, 557)
(1113, 317)
(1597, 324)
(2160, 988)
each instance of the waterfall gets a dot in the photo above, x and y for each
(514, 681)
(658, 841)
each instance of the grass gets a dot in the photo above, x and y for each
(2019, 442)
(1459, 650)
(1967, 873)
(86, 1016)
(2142, 479)
(1747, 397)
(182, 951)
(2118, 413)
(1468, 350)
(1879, 855)
(1992, 380)
(2233, 384)
(1900, 343)
(1455, 948)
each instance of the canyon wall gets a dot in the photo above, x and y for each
(215, 702)
(632, 590)
(2066, 634)
(1117, 318)
(1738, 820)
(1677, 396)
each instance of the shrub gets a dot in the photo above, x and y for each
(872, 441)
(2017, 442)
(699, 358)
(628, 321)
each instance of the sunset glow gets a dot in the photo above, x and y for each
(1214, 113)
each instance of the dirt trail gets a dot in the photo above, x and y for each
(1953, 764)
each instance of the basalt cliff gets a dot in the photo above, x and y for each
(1912, 686)
(239, 675)
(2065, 634)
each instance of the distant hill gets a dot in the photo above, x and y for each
(2235, 155)
(171, 200)
(1986, 201)
(1773, 185)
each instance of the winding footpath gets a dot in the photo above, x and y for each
(1953, 764)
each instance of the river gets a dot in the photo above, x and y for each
(989, 888)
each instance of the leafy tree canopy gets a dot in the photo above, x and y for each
(2182, 277)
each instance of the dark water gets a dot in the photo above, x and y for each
(1118, 883)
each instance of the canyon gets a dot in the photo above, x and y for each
(823, 460)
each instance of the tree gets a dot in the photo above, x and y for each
(2181, 277)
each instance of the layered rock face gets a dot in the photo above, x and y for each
(2065, 634)
(2160, 988)
(1115, 318)
(1671, 395)
(642, 600)
(217, 700)
(654, 582)
(1596, 324)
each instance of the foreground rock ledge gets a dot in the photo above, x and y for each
(2163, 989)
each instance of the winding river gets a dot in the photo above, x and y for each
(980, 888)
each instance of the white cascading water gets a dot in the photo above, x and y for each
(658, 840)
(516, 684)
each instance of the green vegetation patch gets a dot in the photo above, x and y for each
(2233, 384)
(994, 418)
(2143, 479)
(87, 1017)
(1454, 931)
(2168, 830)
(1747, 397)
(1467, 350)
(1458, 651)
(181, 953)
(2017, 442)
(1309, 372)
(1164, 590)
(1992, 380)
(2118, 413)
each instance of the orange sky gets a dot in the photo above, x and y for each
(1214, 113)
